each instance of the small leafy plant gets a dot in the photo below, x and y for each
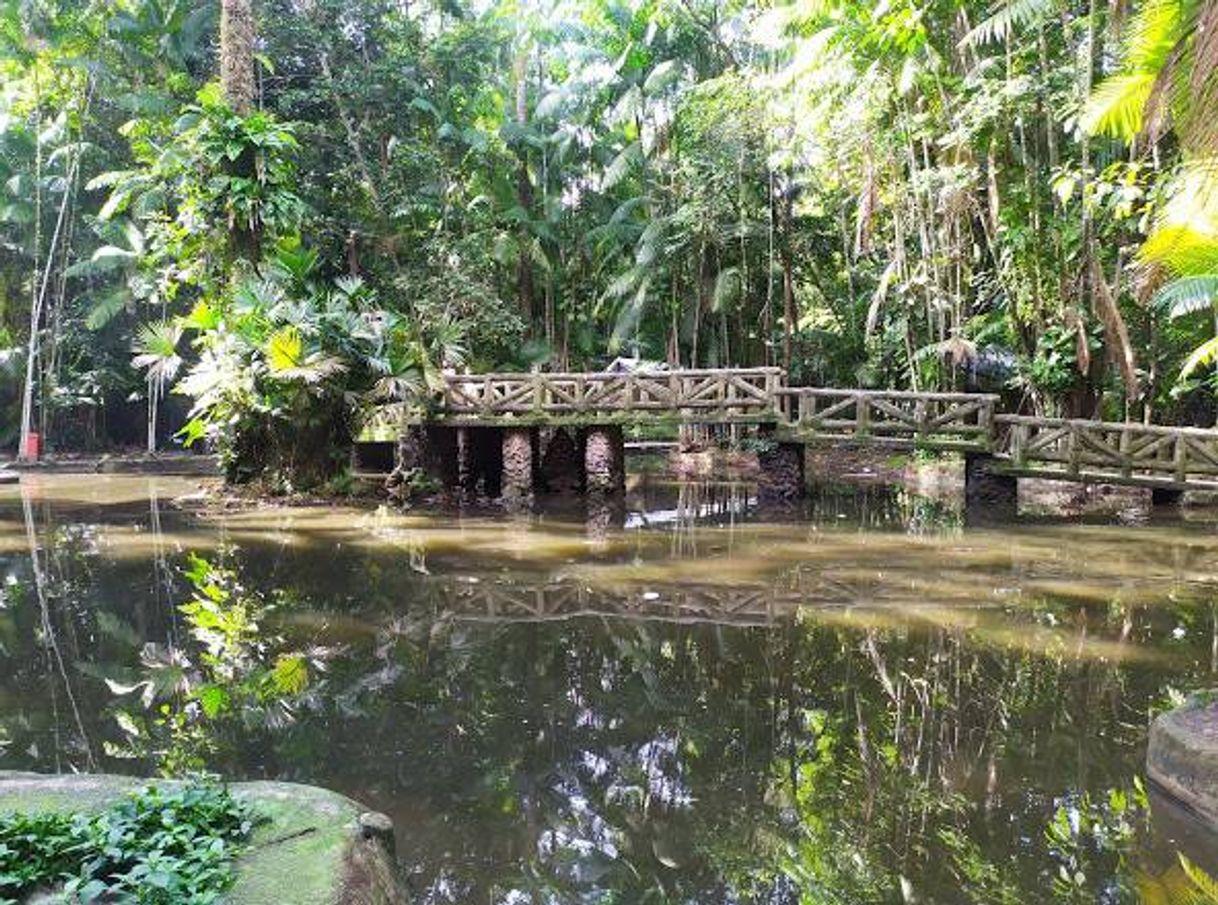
(159, 845)
(233, 675)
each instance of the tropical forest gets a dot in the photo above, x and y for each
(531, 452)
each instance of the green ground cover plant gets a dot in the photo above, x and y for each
(159, 845)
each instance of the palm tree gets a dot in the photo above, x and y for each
(156, 352)
(1169, 79)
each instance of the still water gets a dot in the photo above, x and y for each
(691, 701)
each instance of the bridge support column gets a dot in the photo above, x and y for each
(604, 461)
(517, 483)
(781, 478)
(989, 497)
(467, 475)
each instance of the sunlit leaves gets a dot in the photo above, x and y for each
(285, 350)
(1006, 17)
(290, 674)
(156, 351)
(1116, 107)
(1203, 356)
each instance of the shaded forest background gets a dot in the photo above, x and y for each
(936, 194)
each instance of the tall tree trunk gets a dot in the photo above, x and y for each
(524, 194)
(790, 317)
(237, 54)
(31, 355)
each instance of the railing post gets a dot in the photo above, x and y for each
(1017, 442)
(539, 389)
(771, 391)
(1181, 458)
(985, 421)
(1073, 450)
(486, 395)
(862, 414)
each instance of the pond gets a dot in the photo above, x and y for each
(691, 701)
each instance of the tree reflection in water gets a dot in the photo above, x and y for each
(615, 746)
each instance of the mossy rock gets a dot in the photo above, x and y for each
(315, 847)
(1182, 757)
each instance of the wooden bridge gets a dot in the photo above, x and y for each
(594, 406)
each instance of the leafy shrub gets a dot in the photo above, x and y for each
(157, 846)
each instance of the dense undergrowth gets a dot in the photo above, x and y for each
(160, 845)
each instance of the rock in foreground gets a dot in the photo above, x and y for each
(316, 847)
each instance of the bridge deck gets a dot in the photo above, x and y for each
(1182, 458)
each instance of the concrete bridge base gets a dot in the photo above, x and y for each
(781, 472)
(990, 497)
(516, 463)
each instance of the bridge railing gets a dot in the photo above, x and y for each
(1108, 450)
(745, 392)
(944, 420)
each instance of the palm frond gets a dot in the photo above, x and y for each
(285, 350)
(1117, 107)
(621, 166)
(1188, 295)
(156, 350)
(1205, 354)
(1206, 887)
(106, 308)
(1183, 249)
(727, 289)
(1005, 18)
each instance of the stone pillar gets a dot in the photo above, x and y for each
(425, 461)
(781, 477)
(604, 461)
(989, 497)
(517, 483)
(467, 475)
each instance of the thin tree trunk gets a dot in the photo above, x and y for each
(237, 54)
(524, 196)
(27, 397)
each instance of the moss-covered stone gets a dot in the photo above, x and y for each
(316, 847)
(1182, 757)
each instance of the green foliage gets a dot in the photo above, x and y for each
(235, 672)
(281, 358)
(843, 188)
(171, 846)
(1091, 840)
